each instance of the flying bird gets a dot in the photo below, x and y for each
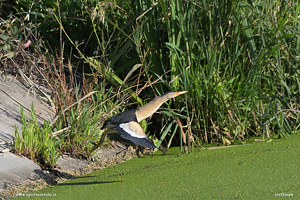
(124, 126)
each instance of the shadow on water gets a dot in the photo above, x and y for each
(50, 178)
(87, 183)
(85, 176)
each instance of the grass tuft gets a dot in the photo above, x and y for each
(36, 142)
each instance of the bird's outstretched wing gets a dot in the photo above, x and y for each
(133, 132)
(123, 117)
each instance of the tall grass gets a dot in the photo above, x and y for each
(233, 57)
(237, 60)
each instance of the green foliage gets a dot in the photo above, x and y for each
(238, 60)
(36, 142)
(234, 58)
(77, 18)
(11, 36)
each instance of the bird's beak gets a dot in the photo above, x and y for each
(179, 93)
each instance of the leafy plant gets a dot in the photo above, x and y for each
(11, 37)
(36, 142)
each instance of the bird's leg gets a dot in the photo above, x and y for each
(164, 151)
(138, 150)
(143, 150)
(98, 143)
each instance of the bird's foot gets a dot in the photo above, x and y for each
(119, 146)
(121, 152)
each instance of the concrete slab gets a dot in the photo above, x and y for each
(68, 163)
(15, 169)
(13, 94)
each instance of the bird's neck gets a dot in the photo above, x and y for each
(150, 108)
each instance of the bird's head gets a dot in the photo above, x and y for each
(170, 95)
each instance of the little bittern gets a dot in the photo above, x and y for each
(124, 126)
